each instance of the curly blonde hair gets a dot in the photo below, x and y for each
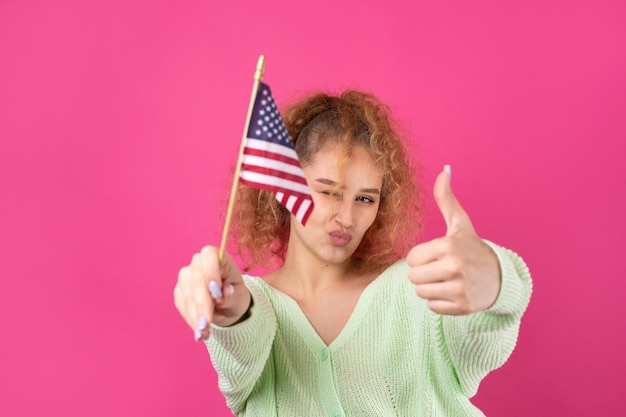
(261, 225)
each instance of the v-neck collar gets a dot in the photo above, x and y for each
(306, 329)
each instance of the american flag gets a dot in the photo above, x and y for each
(270, 161)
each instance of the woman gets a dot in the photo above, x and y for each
(357, 319)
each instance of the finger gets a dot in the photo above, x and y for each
(453, 214)
(201, 303)
(231, 280)
(210, 265)
(184, 299)
(184, 295)
(437, 271)
(445, 290)
(201, 300)
(430, 251)
(219, 275)
(445, 307)
(202, 329)
(215, 289)
(222, 296)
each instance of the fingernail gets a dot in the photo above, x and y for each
(448, 169)
(230, 289)
(202, 323)
(216, 292)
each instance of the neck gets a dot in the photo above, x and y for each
(313, 274)
(305, 275)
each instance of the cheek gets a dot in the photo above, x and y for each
(369, 217)
(371, 221)
(322, 210)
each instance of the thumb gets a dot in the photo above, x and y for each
(453, 214)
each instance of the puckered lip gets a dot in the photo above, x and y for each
(340, 238)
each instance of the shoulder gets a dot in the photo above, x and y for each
(400, 266)
(395, 273)
(260, 288)
(256, 283)
(393, 284)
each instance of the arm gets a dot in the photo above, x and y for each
(210, 292)
(478, 291)
(240, 352)
(481, 342)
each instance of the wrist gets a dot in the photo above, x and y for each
(246, 314)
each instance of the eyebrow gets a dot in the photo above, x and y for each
(332, 183)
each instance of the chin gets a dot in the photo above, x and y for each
(338, 259)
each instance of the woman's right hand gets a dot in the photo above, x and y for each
(192, 293)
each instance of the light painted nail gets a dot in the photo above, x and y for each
(202, 322)
(215, 290)
(448, 169)
(230, 289)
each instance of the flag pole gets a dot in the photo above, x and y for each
(258, 76)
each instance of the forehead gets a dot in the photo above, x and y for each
(353, 166)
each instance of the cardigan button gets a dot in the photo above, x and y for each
(336, 414)
(324, 356)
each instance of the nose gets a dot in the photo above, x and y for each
(344, 214)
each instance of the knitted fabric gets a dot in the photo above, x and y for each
(394, 357)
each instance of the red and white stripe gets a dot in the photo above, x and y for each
(276, 168)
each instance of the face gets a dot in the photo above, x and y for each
(346, 205)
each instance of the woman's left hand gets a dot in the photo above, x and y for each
(458, 273)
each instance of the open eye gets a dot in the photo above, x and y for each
(365, 199)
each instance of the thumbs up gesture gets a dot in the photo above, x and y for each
(458, 273)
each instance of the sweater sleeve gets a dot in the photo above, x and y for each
(239, 353)
(481, 342)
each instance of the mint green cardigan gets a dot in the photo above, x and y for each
(394, 357)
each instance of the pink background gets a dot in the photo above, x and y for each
(120, 120)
